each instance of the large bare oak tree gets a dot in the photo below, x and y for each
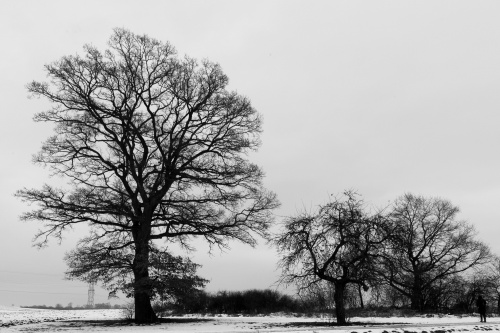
(154, 147)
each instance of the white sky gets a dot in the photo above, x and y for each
(384, 97)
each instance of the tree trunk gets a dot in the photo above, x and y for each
(417, 300)
(498, 304)
(360, 297)
(144, 313)
(338, 297)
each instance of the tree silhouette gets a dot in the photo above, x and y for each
(338, 245)
(154, 147)
(428, 244)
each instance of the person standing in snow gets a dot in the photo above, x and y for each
(481, 306)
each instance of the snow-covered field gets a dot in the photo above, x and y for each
(10, 316)
(14, 319)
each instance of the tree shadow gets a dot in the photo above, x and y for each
(128, 322)
(302, 324)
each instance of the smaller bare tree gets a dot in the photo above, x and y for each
(338, 244)
(493, 276)
(429, 245)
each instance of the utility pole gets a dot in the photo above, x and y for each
(90, 301)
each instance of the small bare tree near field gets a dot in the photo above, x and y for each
(429, 244)
(337, 244)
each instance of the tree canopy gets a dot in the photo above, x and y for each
(171, 278)
(154, 147)
(337, 244)
(429, 244)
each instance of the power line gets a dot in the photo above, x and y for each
(46, 292)
(67, 284)
(30, 273)
(38, 292)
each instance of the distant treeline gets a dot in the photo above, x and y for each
(244, 302)
(457, 296)
(71, 307)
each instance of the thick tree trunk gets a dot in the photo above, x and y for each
(338, 297)
(144, 313)
(417, 300)
(142, 286)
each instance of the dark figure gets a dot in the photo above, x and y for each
(481, 306)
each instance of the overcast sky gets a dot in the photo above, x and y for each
(384, 97)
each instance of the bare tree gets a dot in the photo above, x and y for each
(492, 273)
(154, 147)
(338, 244)
(428, 244)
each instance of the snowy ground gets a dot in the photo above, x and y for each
(70, 321)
